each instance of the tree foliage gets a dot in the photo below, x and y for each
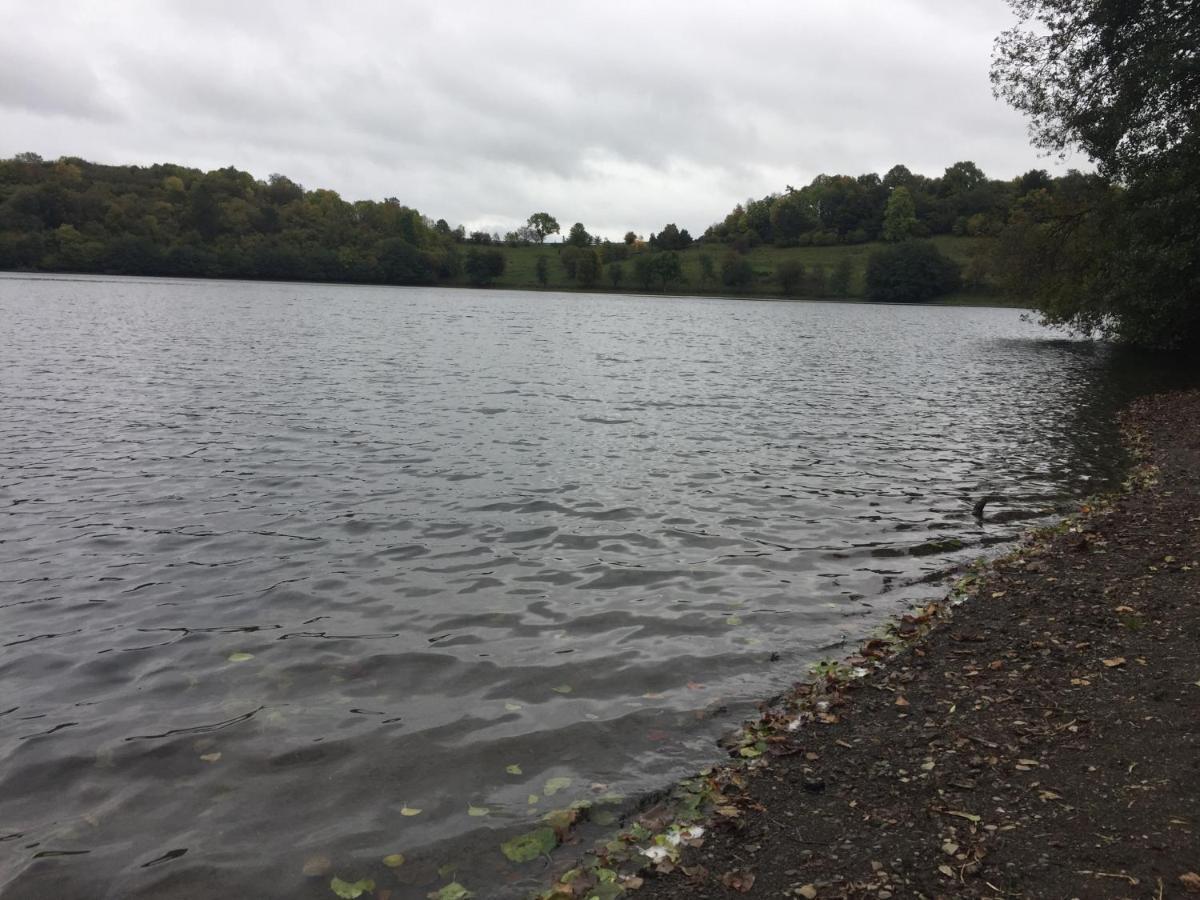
(910, 272)
(72, 215)
(541, 225)
(1119, 80)
(900, 216)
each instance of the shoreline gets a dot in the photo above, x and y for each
(957, 299)
(1032, 735)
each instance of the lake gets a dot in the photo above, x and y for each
(283, 564)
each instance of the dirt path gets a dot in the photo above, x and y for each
(1043, 741)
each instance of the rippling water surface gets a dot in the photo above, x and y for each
(278, 562)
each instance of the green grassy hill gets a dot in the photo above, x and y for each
(971, 252)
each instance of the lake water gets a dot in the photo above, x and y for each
(280, 561)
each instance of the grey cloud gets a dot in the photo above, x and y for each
(621, 115)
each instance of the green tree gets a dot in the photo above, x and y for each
(541, 269)
(790, 275)
(541, 225)
(910, 272)
(736, 271)
(708, 271)
(900, 216)
(483, 265)
(578, 236)
(839, 280)
(1117, 80)
(616, 274)
(588, 268)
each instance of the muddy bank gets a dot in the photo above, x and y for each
(1041, 739)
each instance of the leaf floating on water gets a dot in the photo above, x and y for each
(316, 866)
(514, 769)
(534, 799)
(513, 707)
(603, 818)
(452, 891)
(351, 890)
(409, 811)
(394, 860)
(526, 847)
(210, 757)
(562, 689)
(240, 657)
(477, 811)
(554, 785)
(734, 620)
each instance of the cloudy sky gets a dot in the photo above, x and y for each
(617, 114)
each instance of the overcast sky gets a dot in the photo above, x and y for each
(622, 115)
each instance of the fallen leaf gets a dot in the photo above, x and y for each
(240, 657)
(562, 689)
(808, 891)
(739, 880)
(946, 870)
(512, 707)
(554, 785)
(210, 757)
(949, 848)
(901, 701)
(477, 811)
(409, 811)
(1114, 662)
(1190, 882)
(317, 865)
(351, 890)
(394, 860)
(452, 891)
(514, 769)
(526, 847)
(970, 817)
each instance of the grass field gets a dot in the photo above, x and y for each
(521, 272)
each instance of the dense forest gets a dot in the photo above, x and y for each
(70, 215)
